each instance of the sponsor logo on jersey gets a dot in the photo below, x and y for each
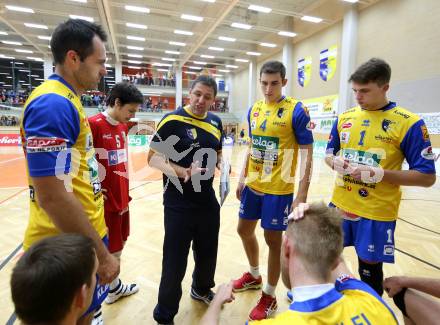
(214, 123)
(366, 123)
(267, 113)
(310, 126)
(256, 114)
(265, 148)
(363, 192)
(274, 221)
(107, 136)
(116, 157)
(427, 153)
(345, 136)
(45, 144)
(386, 124)
(371, 248)
(192, 133)
(425, 133)
(384, 139)
(361, 157)
(280, 112)
(388, 250)
(347, 125)
(89, 142)
(406, 116)
(253, 124)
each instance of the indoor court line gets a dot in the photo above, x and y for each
(9, 160)
(13, 195)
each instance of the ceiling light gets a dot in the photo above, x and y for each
(168, 59)
(138, 9)
(33, 75)
(6, 57)
(160, 64)
(266, 10)
(138, 26)
(164, 70)
(11, 43)
(135, 38)
(312, 19)
(19, 63)
(108, 65)
(44, 37)
(253, 53)
(134, 61)
(137, 48)
(191, 17)
(222, 70)
(268, 44)
(207, 56)
(21, 9)
(195, 67)
(190, 72)
(241, 60)
(35, 26)
(232, 66)
(134, 55)
(3, 33)
(211, 1)
(227, 39)
(82, 1)
(23, 70)
(34, 58)
(351, 1)
(133, 67)
(183, 32)
(172, 52)
(240, 25)
(288, 34)
(90, 19)
(177, 43)
(213, 48)
(217, 75)
(23, 51)
(200, 62)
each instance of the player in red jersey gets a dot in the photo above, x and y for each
(110, 131)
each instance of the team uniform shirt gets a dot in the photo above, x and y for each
(382, 138)
(276, 130)
(185, 138)
(350, 301)
(110, 141)
(57, 141)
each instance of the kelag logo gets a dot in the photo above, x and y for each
(137, 140)
(265, 143)
(362, 157)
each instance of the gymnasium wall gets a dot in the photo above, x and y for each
(404, 33)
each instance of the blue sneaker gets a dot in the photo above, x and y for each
(289, 296)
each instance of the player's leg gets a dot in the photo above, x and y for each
(205, 245)
(250, 211)
(275, 211)
(374, 243)
(178, 235)
(417, 308)
(118, 226)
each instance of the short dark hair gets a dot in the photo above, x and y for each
(272, 67)
(207, 81)
(127, 94)
(48, 275)
(77, 35)
(374, 70)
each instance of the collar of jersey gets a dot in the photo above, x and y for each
(110, 119)
(387, 107)
(61, 79)
(318, 303)
(188, 111)
(277, 102)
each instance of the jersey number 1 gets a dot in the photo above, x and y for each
(361, 141)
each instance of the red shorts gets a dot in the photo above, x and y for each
(118, 229)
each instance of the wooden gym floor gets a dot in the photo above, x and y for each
(417, 241)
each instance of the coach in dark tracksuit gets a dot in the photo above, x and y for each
(187, 149)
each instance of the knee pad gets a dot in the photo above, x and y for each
(372, 274)
(399, 301)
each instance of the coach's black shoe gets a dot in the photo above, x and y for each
(206, 298)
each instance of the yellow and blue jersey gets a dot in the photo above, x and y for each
(351, 301)
(382, 138)
(276, 131)
(57, 141)
(184, 138)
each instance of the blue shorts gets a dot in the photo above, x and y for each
(101, 291)
(273, 210)
(372, 239)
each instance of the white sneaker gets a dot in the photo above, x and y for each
(121, 290)
(97, 318)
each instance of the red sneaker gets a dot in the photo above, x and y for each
(246, 282)
(265, 307)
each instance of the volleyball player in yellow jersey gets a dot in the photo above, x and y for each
(279, 129)
(367, 147)
(324, 291)
(65, 192)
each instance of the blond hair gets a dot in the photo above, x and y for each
(317, 238)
